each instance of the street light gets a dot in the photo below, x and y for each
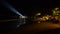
(38, 14)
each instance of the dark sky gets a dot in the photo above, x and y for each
(30, 7)
(5, 13)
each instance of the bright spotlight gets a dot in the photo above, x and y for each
(23, 16)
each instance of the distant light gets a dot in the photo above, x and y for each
(54, 12)
(56, 8)
(38, 14)
(47, 18)
(23, 16)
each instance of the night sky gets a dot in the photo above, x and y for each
(29, 7)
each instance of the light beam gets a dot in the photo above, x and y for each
(6, 4)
